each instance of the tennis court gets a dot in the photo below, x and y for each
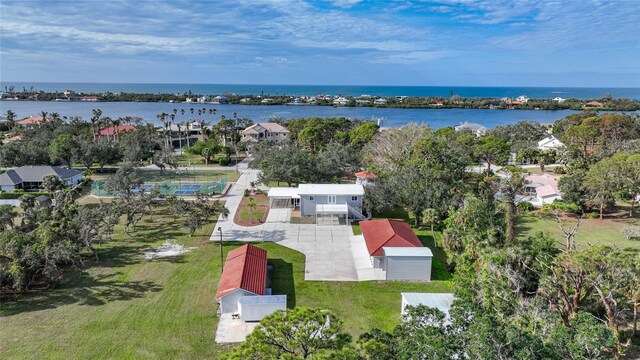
(168, 188)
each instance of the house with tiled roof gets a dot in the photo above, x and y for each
(112, 133)
(256, 133)
(32, 121)
(243, 287)
(395, 248)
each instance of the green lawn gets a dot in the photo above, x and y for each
(246, 216)
(591, 231)
(124, 306)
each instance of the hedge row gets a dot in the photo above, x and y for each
(18, 195)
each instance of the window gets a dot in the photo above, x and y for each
(311, 197)
(331, 199)
(354, 198)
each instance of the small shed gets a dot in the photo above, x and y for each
(407, 263)
(440, 301)
(244, 274)
(255, 308)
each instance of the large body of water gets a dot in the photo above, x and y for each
(355, 90)
(435, 118)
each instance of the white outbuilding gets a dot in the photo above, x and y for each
(407, 263)
(440, 301)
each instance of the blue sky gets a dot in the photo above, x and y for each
(448, 42)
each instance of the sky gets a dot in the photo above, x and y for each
(574, 43)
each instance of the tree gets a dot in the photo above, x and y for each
(600, 182)
(492, 150)
(206, 149)
(251, 204)
(297, 333)
(363, 134)
(431, 218)
(163, 158)
(285, 163)
(62, 148)
(131, 201)
(199, 212)
(96, 224)
(52, 183)
(7, 216)
(510, 187)
(628, 176)
(11, 119)
(95, 121)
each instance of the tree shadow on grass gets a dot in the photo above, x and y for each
(282, 282)
(85, 290)
(439, 269)
(525, 224)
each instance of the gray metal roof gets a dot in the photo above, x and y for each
(35, 174)
(440, 301)
(407, 251)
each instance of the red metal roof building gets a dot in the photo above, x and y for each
(246, 269)
(387, 233)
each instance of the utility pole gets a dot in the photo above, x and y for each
(221, 255)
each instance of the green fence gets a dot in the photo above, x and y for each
(187, 186)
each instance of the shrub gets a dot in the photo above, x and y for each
(247, 192)
(560, 170)
(524, 206)
(224, 161)
(592, 215)
(19, 194)
(631, 232)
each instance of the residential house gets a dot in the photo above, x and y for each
(559, 100)
(91, 98)
(477, 129)
(366, 178)
(542, 189)
(550, 143)
(32, 122)
(328, 203)
(244, 285)
(29, 178)
(113, 132)
(272, 132)
(380, 101)
(523, 99)
(220, 100)
(183, 135)
(267, 101)
(342, 101)
(593, 104)
(395, 248)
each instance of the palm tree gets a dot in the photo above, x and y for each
(175, 111)
(191, 109)
(251, 204)
(43, 114)
(97, 113)
(116, 123)
(11, 119)
(179, 125)
(431, 217)
(55, 117)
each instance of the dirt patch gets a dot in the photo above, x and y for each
(168, 249)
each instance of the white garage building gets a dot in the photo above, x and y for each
(243, 285)
(395, 248)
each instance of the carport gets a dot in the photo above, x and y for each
(283, 197)
(330, 214)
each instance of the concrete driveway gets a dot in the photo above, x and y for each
(327, 248)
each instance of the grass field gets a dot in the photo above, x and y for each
(246, 216)
(125, 307)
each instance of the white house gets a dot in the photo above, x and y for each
(440, 301)
(543, 189)
(243, 285)
(380, 101)
(326, 202)
(395, 248)
(271, 132)
(559, 100)
(477, 129)
(522, 98)
(550, 143)
(341, 101)
(29, 178)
